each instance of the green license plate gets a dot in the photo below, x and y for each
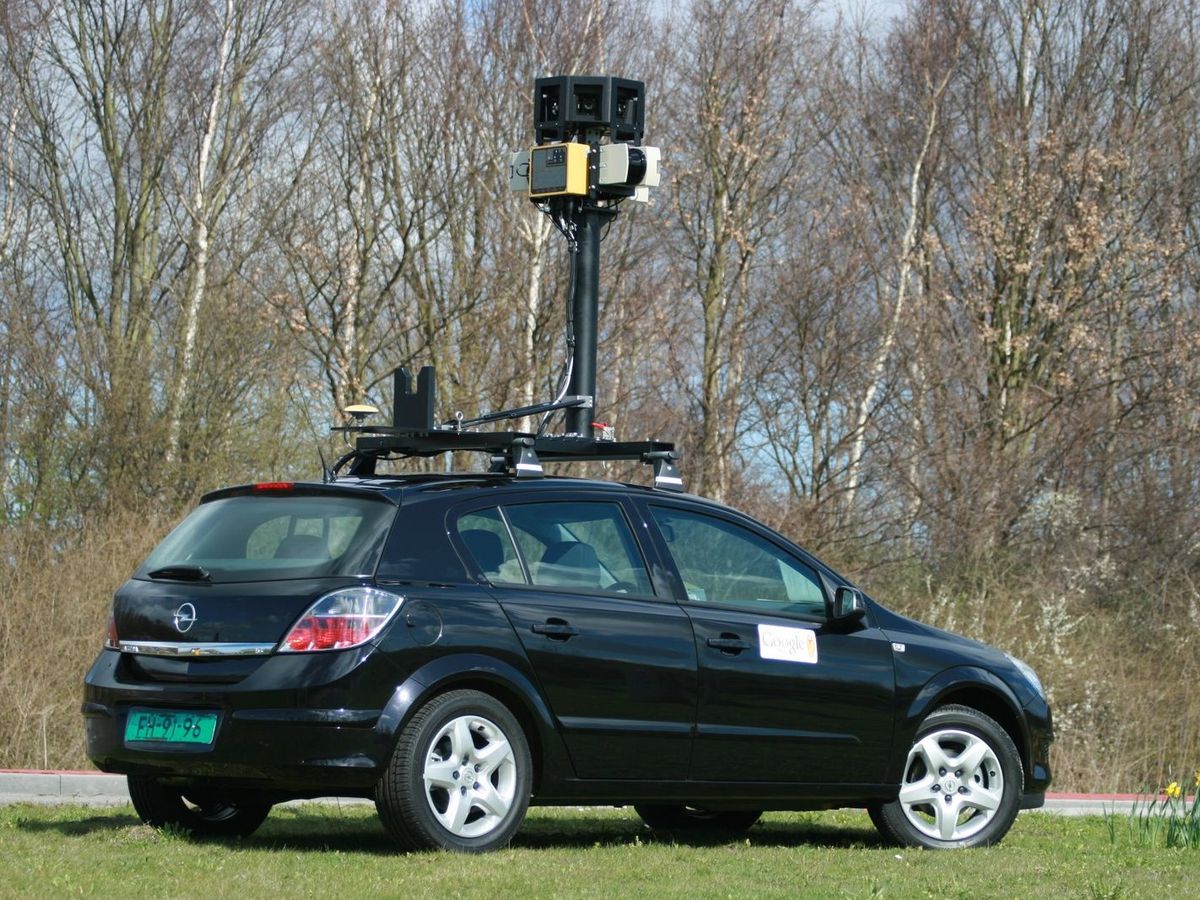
(169, 726)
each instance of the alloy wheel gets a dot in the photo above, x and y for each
(470, 776)
(953, 785)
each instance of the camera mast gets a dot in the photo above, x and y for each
(589, 158)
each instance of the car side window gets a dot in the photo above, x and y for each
(489, 542)
(723, 563)
(586, 546)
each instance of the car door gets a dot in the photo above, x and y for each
(784, 696)
(615, 661)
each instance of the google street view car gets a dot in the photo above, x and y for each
(460, 646)
(457, 647)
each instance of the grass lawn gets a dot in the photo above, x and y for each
(319, 850)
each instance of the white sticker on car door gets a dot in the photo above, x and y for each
(787, 644)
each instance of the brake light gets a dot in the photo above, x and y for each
(345, 618)
(274, 486)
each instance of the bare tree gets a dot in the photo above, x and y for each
(738, 81)
(936, 60)
(245, 50)
(100, 76)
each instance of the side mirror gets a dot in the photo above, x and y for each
(848, 606)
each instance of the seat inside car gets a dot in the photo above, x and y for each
(302, 546)
(569, 564)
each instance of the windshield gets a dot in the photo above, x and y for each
(273, 537)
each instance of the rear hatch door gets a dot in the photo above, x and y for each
(242, 568)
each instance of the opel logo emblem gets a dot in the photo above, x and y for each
(185, 617)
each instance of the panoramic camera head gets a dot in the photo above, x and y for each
(568, 107)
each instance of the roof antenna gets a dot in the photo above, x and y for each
(328, 475)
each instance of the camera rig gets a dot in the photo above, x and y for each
(587, 161)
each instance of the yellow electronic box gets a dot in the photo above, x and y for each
(558, 169)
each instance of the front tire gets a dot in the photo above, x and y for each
(459, 778)
(199, 811)
(961, 786)
(672, 817)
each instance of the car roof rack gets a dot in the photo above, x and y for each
(415, 432)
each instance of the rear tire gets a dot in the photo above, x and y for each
(459, 778)
(672, 817)
(961, 786)
(201, 812)
(875, 811)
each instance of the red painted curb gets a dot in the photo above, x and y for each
(1161, 798)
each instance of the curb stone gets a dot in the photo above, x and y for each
(87, 788)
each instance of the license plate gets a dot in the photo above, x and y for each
(169, 726)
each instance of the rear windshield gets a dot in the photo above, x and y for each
(269, 538)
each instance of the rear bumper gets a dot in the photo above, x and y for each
(318, 735)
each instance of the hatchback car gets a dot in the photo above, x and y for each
(458, 647)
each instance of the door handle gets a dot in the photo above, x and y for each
(730, 644)
(555, 629)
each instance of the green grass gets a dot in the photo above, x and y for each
(319, 850)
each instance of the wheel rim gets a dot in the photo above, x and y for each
(470, 776)
(953, 785)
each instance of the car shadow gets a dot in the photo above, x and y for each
(562, 833)
(80, 827)
(582, 831)
(303, 832)
(352, 834)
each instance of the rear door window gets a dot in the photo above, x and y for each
(585, 546)
(489, 543)
(563, 544)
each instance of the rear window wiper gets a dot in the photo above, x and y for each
(182, 573)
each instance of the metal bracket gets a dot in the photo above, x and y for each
(666, 472)
(525, 460)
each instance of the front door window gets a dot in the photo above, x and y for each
(724, 564)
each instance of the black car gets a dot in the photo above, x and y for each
(460, 646)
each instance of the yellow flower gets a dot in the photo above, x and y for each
(1174, 792)
(1196, 780)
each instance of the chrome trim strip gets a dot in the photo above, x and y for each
(170, 648)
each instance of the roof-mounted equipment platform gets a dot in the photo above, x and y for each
(415, 432)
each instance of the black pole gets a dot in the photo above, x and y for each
(585, 302)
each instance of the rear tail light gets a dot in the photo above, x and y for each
(345, 618)
(110, 636)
